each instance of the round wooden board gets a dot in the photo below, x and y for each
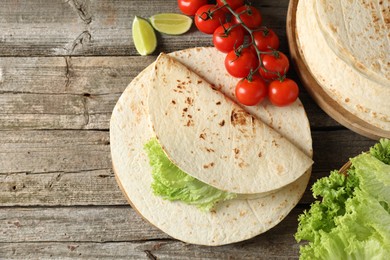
(329, 105)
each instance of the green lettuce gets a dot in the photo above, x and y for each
(173, 184)
(352, 219)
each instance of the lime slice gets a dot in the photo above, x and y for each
(170, 23)
(144, 38)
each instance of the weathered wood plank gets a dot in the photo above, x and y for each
(96, 187)
(53, 151)
(95, 224)
(76, 228)
(50, 168)
(258, 248)
(83, 27)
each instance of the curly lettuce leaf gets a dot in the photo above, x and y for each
(173, 184)
(381, 150)
(352, 219)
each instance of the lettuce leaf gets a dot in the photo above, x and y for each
(173, 184)
(352, 219)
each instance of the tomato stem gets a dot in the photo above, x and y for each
(252, 42)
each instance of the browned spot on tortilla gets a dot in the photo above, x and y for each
(206, 166)
(218, 103)
(174, 102)
(189, 101)
(199, 81)
(243, 213)
(347, 100)
(190, 123)
(189, 116)
(260, 155)
(280, 169)
(236, 150)
(185, 109)
(242, 164)
(210, 150)
(275, 143)
(238, 117)
(222, 123)
(202, 136)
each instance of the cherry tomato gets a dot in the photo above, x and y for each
(275, 65)
(240, 63)
(250, 16)
(234, 4)
(266, 39)
(189, 7)
(227, 38)
(207, 19)
(251, 92)
(283, 92)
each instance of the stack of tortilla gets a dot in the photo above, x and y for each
(346, 47)
(186, 101)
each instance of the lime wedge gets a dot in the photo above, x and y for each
(170, 23)
(144, 38)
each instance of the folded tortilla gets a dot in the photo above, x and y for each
(348, 55)
(234, 220)
(211, 138)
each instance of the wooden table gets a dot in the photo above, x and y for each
(63, 66)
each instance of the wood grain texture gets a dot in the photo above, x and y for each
(106, 228)
(323, 99)
(98, 27)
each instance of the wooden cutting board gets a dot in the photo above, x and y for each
(329, 105)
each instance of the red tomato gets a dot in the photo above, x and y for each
(275, 65)
(283, 92)
(250, 16)
(189, 7)
(234, 4)
(251, 92)
(207, 19)
(266, 39)
(227, 38)
(239, 64)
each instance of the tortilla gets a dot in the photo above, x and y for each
(358, 32)
(234, 220)
(365, 98)
(211, 138)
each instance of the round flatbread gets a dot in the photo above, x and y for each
(234, 220)
(365, 98)
(359, 33)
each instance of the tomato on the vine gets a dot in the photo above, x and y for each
(250, 92)
(228, 37)
(234, 4)
(240, 62)
(189, 7)
(266, 39)
(249, 15)
(283, 92)
(208, 18)
(275, 65)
